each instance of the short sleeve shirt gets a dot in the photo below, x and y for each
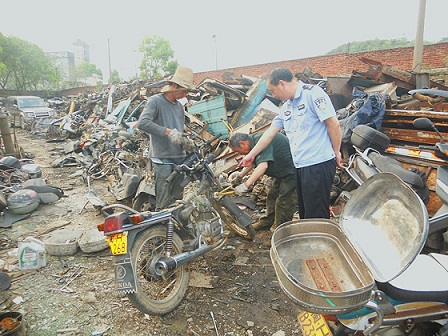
(303, 119)
(277, 154)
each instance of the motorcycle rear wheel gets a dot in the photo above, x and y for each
(247, 232)
(144, 202)
(155, 295)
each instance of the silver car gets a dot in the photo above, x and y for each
(23, 110)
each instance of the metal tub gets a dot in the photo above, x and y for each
(318, 268)
(330, 268)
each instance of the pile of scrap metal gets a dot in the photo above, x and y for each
(104, 139)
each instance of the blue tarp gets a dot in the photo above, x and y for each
(365, 109)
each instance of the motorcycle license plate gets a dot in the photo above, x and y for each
(312, 324)
(118, 243)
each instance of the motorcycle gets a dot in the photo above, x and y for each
(369, 160)
(152, 250)
(365, 274)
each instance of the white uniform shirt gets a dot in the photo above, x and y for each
(303, 121)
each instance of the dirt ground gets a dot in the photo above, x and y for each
(233, 291)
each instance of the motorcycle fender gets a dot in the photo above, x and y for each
(147, 187)
(124, 276)
(125, 282)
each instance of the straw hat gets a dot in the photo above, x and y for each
(182, 77)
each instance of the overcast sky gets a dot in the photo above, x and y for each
(247, 32)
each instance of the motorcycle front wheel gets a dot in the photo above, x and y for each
(156, 295)
(247, 232)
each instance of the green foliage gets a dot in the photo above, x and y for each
(115, 77)
(354, 47)
(25, 66)
(85, 69)
(157, 58)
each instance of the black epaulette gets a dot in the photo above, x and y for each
(308, 86)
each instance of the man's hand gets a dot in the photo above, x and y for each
(187, 144)
(339, 160)
(175, 137)
(235, 178)
(241, 189)
(246, 161)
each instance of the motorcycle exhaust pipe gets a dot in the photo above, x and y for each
(165, 265)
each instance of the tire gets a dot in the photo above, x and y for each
(144, 202)
(247, 232)
(155, 295)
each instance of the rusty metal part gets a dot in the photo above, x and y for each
(322, 275)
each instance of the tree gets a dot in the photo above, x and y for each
(115, 77)
(354, 47)
(25, 66)
(85, 69)
(157, 58)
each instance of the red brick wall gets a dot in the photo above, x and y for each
(434, 56)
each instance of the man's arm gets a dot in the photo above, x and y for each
(264, 141)
(334, 131)
(146, 123)
(244, 187)
(256, 174)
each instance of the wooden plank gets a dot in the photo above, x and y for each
(415, 137)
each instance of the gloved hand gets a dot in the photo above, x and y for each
(235, 178)
(241, 189)
(187, 144)
(175, 136)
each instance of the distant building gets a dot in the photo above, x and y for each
(65, 62)
(81, 51)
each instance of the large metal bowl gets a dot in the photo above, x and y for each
(318, 268)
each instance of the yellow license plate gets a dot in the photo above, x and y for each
(118, 243)
(312, 324)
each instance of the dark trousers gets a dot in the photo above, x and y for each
(167, 193)
(313, 189)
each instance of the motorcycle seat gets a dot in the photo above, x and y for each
(426, 279)
(390, 165)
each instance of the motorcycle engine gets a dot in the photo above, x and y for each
(210, 230)
(208, 221)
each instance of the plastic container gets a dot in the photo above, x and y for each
(31, 254)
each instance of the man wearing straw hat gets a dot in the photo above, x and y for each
(163, 118)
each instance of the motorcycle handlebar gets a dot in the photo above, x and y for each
(209, 141)
(171, 177)
(210, 158)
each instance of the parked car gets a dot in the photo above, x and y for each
(23, 110)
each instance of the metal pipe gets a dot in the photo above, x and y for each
(165, 265)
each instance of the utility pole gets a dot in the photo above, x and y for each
(418, 45)
(110, 66)
(216, 50)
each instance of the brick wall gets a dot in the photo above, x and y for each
(434, 56)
